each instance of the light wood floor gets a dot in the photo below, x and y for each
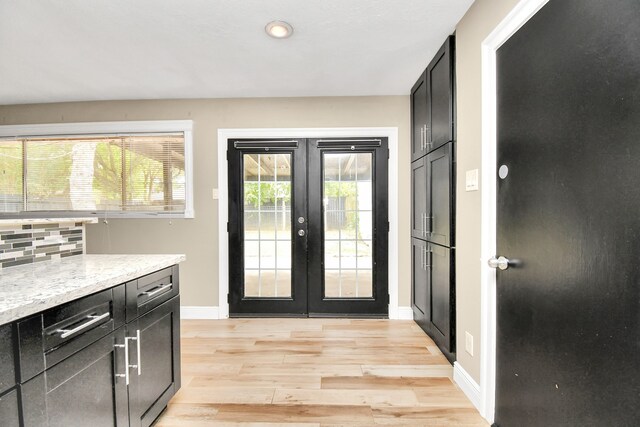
(314, 372)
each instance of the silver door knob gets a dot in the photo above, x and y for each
(300, 233)
(501, 262)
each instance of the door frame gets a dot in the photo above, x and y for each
(518, 16)
(223, 197)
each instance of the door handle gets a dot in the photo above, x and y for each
(501, 262)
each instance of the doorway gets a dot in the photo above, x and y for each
(308, 224)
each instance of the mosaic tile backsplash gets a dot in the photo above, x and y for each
(29, 243)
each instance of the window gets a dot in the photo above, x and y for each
(120, 173)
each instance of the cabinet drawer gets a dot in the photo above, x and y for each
(148, 292)
(7, 359)
(50, 337)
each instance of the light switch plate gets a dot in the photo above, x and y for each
(214, 193)
(471, 182)
(468, 343)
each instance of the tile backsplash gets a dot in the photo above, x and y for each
(29, 243)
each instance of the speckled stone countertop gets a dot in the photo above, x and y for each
(32, 288)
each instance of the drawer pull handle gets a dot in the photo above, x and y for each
(160, 289)
(93, 319)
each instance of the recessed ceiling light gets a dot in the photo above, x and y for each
(279, 29)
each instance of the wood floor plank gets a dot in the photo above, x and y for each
(258, 381)
(427, 416)
(312, 373)
(287, 414)
(301, 369)
(346, 397)
(383, 383)
(442, 370)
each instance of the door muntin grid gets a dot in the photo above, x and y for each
(347, 204)
(267, 195)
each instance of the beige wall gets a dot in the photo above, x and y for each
(198, 238)
(471, 31)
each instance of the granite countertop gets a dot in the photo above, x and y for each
(32, 288)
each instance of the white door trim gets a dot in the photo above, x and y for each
(223, 198)
(520, 14)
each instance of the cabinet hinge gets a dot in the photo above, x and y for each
(388, 154)
(227, 155)
(229, 298)
(388, 226)
(228, 226)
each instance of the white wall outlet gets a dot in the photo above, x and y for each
(468, 343)
(471, 182)
(214, 193)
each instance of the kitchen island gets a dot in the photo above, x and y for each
(89, 340)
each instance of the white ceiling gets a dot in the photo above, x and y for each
(79, 50)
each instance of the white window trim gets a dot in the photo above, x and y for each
(223, 197)
(90, 128)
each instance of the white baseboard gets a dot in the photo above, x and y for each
(198, 312)
(405, 313)
(467, 384)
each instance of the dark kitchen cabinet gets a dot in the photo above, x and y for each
(86, 389)
(433, 199)
(9, 409)
(442, 304)
(156, 377)
(419, 216)
(108, 359)
(419, 118)
(7, 358)
(440, 189)
(420, 278)
(440, 96)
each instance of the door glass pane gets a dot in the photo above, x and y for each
(347, 195)
(267, 225)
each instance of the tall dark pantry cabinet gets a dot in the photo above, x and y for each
(433, 199)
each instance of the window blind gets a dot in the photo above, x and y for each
(133, 172)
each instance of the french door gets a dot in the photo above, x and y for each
(308, 227)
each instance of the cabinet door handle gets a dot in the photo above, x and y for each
(427, 257)
(421, 139)
(137, 340)
(160, 289)
(126, 360)
(427, 135)
(138, 343)
(93, 319)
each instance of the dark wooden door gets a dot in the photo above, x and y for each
(419, 215)
(267, 227)
(308, 230)
(439, 195)
(348, 227)
(419, 118)
(85, 389)
(440, 100)
(568, 332)
(155, 354)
